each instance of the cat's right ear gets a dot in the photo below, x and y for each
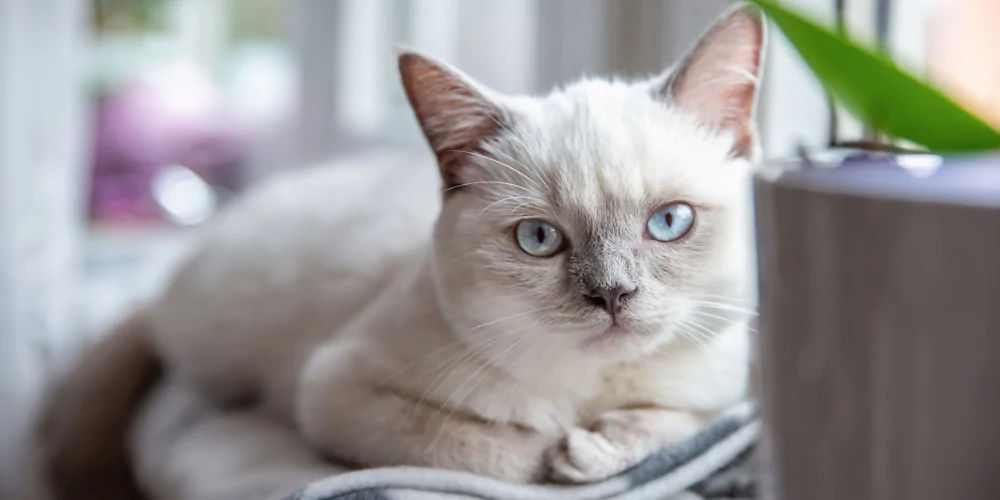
(457, 114)
(719, 79)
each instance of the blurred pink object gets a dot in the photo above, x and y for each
(171, 116)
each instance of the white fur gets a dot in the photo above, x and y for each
(325, 296)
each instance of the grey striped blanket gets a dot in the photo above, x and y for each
(715, 464)
(184, 450)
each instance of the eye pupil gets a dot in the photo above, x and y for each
(670, 219)
(540, 234)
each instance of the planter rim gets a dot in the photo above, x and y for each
(966, 180)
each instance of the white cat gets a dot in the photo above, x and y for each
(569, 301)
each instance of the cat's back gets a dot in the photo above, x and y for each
(360, 211)
(289, 263)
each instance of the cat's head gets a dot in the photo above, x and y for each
(608, 217)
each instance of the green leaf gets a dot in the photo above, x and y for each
(880, 93)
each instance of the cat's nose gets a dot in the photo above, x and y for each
(610, 298)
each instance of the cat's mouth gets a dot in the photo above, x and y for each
(616, 328)
(626, 327)
(615, 331)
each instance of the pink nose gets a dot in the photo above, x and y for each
(610, 298)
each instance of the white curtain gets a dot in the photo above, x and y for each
(42, 159)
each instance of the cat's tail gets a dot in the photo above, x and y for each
(85, 422)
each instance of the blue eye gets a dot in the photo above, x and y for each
(539, 238)
(671, 222)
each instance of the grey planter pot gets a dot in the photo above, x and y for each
(880, 328)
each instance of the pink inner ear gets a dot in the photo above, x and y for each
(719, 81)
(454, 115)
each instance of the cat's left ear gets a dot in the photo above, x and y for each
(719, 79)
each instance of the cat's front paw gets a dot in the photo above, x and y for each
(617, 441)
(584, 456)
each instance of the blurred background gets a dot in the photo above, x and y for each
(126, 123)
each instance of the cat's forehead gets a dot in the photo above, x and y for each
(605, 145)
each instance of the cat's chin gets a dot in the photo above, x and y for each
(620, 341)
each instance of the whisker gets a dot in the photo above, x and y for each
(690, 335)
(725, 307)
(459, 343)
(452, 345)
(508, 184)
(492, 362)
(539, 177)
(531, 201)
(519, 140)
(723, 318)
(505, 127)
(514, 137)
(518, 208)
(455, 364)
(518, 359)
(518, 315)
(706, 333)
(730, 298)
(498, 162)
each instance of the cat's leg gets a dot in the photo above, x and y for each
(616, 441)
(348, 415)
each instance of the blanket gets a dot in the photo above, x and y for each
(185, 449)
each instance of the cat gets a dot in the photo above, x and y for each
(563, 297)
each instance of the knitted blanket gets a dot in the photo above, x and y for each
(186, 450)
